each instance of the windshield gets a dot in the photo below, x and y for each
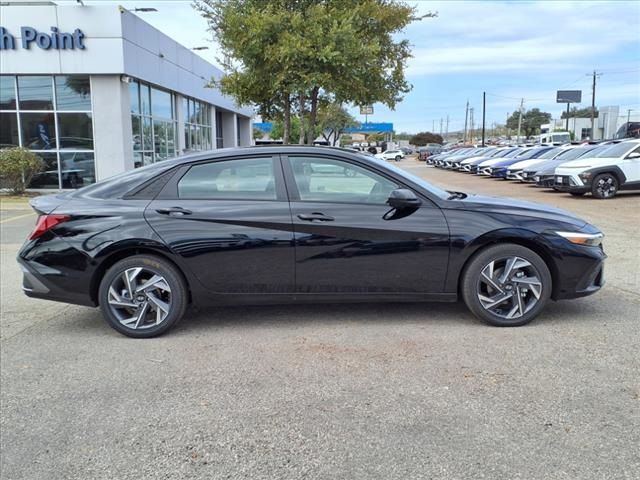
(502, 153)
(617, 150)
(530, 154)
(550, 153)
(574, 153)
(410, 176)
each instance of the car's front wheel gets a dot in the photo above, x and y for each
(604, 186)
(506, 285)
(143, 296)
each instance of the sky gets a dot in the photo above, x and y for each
(510, 50)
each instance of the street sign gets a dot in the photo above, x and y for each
(366, 110)
(569, 96)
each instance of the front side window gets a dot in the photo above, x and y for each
(330, 180)
(244, 179)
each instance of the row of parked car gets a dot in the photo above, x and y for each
(600, 168)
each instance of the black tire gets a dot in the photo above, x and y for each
(470, 283)
(605, 186)
(156, 265)
(398, 158)
(577, 194)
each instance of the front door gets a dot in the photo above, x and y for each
(230, 221)
(348, 241)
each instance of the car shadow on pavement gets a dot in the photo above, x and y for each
(287, 316)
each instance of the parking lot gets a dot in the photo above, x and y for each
(331, 391)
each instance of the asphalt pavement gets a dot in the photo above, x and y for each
(331, 391)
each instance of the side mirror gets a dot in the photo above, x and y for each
(633, 155)
(402, 198)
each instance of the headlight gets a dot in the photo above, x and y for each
(588, 239)
(585, 176)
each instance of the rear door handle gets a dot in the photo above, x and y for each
(315, 216)
(173, 211)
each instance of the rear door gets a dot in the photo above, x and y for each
(230, 221)
(347, 241)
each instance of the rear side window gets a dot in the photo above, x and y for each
(244, 179)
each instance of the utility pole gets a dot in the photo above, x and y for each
(446, 130)
(440, 126)
(471, 125)
(593, 104)
(433, 126)
(466, 117)
(628, 116)
(520, 118)
(484, 108)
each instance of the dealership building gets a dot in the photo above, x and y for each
(95, 91)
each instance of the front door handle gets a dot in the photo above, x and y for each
(174, 211)
(315, 216)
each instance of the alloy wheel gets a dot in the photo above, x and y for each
(509, 287)
(139, 298)
(606, 186)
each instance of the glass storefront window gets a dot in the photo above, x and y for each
(73, 92)
(161, 104)
(35, 93)
(145, 99)
(9, 130)
(136, 135)
(62, 134)
(197, 126)
(48, 178)
(7, 93)
(75, 131)
(77, 169)
(153, 124)
(134, 97)
(38, 130)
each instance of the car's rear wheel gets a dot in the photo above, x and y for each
(398, 157)
(506, 285)
(604, 186)
(143, 296)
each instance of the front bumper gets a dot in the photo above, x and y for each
(514, 175)
(567, 183)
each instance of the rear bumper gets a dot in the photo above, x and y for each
(37, 283)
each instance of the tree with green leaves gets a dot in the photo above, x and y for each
(531, 121)
(576, 112)
(278, 130)
(333, 120)
(286, 56)
(423, 138)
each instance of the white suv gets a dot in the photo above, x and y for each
(615, 168)
(396, 155)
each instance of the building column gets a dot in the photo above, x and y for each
(229, 130)
(246, 131)
(112, 131)
(212, 120)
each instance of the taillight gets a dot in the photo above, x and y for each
(47, 222)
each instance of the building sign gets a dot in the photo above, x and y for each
(366, 110)
(55, 40)
(569, 96)
(371, 128)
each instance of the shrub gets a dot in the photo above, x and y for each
(17, 168)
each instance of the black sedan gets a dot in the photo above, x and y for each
(285, 224)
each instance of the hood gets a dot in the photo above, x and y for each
(589, 162)
(512, 206)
